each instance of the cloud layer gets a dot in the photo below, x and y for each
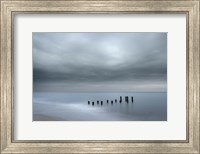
(99, 62)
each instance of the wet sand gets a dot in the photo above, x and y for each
(42, 117)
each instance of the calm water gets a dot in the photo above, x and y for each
(74, 107)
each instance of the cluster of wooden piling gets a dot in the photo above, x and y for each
(126, 98)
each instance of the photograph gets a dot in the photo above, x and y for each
(99, 76)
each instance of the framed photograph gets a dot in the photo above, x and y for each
(99, 76)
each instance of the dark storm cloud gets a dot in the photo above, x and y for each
(101, 61)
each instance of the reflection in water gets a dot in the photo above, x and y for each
(99, 107)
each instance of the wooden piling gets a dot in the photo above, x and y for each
(107, 101)
(101, 102)
(88, 102)
(120, 99)
(115, 100)
(111, 102)
(97, 102)
(93, 103)
(126, 99)
(132, 99)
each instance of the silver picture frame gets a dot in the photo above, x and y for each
(9, 8)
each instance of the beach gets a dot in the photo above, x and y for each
(74, 107)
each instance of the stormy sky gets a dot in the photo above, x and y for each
(99, 62)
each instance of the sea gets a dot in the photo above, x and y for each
(62, 106)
